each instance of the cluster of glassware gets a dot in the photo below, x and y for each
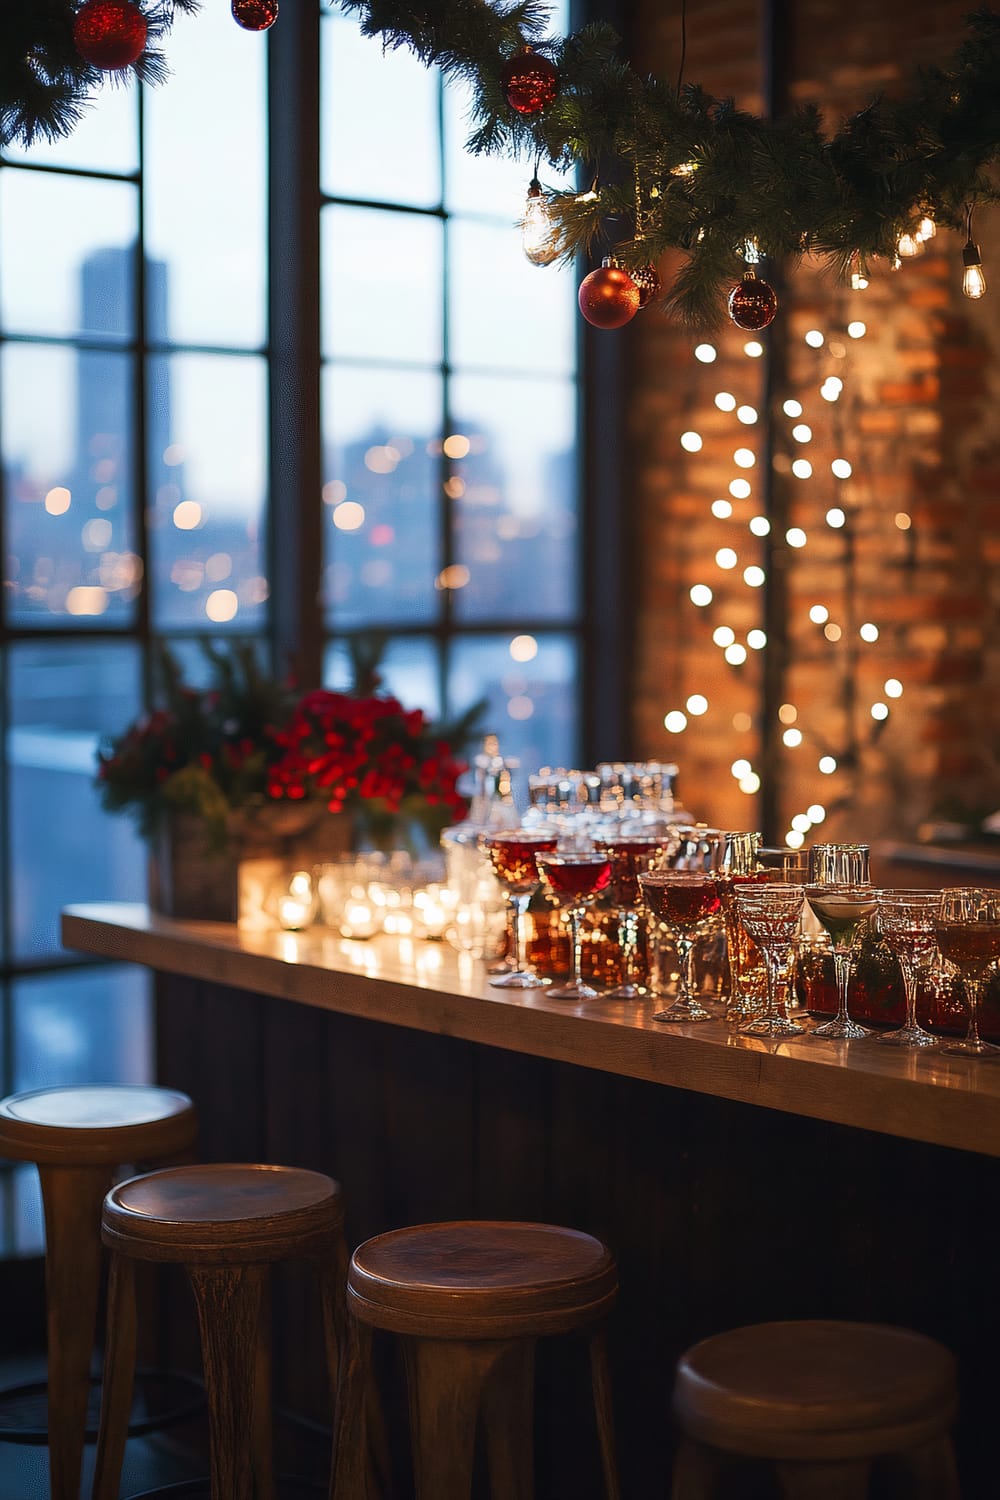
(584, 843)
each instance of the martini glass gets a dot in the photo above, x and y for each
(967, 927)
(629, 854)
(512, 854)
(574, 879)
(771, 914)
(687, 902)
(906, 921)
(842, 909)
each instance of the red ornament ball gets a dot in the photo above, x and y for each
(752, 304)
(255, 15)
(529, 82)
(608, 297)
(647, 280)
(109, 34)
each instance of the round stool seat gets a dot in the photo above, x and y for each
(222, 1212)
(815, 1389)
(481, 1279)
(96, 1124)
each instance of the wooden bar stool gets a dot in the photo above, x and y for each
(823, 1402)
(225, 1224)
(469, 1301)
(80, 1138)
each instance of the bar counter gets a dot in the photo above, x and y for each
(736, 1180)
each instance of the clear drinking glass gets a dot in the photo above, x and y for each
(737, 864)
(842, 909)
(574, 879)
(629, 854)
(687, 902)
(839, 864)
(513, 857)
(906, 921)
(771, 913)
(967, 927)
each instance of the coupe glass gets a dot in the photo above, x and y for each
(629, 854)
(906, 922)
(512, 854)
(687, 902)
(842, 910)
(771, 914)
(574, 879)
(967, 927)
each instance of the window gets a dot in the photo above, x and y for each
(140, 451)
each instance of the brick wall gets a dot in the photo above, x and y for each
(917, 556)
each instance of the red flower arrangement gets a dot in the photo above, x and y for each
(249, 742)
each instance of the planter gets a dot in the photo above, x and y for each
(190, 880)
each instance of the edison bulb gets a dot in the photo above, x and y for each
(539, 239)
(927, 229)
(973, 280)
(908, 245)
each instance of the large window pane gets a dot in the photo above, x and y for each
(515, 511)
(504, 312)
(87, 1026)
(67, 255)
(105, 140)
(381, 285)
(63, 698)
(382, 441)
(68, 433)
(205, 182)
(207, 477)
(379, 125)
(531, 689)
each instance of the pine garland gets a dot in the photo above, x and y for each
(678, 169)
(45, 85)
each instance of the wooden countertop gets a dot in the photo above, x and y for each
(947, 1101)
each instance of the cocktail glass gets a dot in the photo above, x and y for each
(513, 856)
(967, 927)
(842, 910)
(771, 913)
(906, 922)
(686, 902)
(574, 879)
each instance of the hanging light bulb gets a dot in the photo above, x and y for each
(539, 239)
(908, 245)
(859, 280)
(973, 280)
(927, 228)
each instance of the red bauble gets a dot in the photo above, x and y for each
(647, 280)
(529, 82)
(255, 15)
(752, 304)
(109, 34)
(608, 297)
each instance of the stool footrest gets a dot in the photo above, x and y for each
(24, 1408)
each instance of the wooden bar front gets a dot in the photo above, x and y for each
(735, 1180)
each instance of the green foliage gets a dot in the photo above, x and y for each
(783, 182)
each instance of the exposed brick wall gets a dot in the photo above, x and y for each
(917, 423)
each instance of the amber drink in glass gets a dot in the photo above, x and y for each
(574, 879)
(686, 902)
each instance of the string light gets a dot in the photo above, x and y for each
(802, 468)
(744, 458)
(826, 765)
(721, 510)
(880, 710)
(697, 704)
(859, 280)
(817, 812)
(815, 339)
(835, 517)
(754, 578)
(692, 442)
(796, 537)
(740, 489)
(973, 280)
(675, 722)
(747, 415)
(892, 687)
(927, 229)
(792, 738)
(706, 353)
(701, 595)
(741, 768)
(909, 245)
(726, 558)
(819, 614)
(753, 349)
(725, 402)
(841, 468)
(802, 432)
(736, 654)
(792, 408)
(868, 632)
(857, 329)
(760, 525)
(723, 635)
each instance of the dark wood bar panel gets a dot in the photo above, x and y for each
(719, 1211)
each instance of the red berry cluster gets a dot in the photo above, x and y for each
(352, 751)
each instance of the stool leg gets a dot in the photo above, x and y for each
(696, 1470)
(262, 1434)
(930, 1470)
(509, 1421)
(229, 1301)
(444, 1380)
(828, 1481)
(600, 1376)
(118, 1379)
(72, 1197)
(349, 1473)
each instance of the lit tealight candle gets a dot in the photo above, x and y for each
(293, 913)
(358, 920)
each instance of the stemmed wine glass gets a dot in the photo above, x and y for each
(771, 914)
(906, 921)
(574, 879)
(842, 909)
(686, 901)
(512, 854)
(967, 926)
(629, 854)
(737, 864)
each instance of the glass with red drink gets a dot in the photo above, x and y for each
(629, 855)
(686, 902)
(574, 879)
(967, 926)
(513, 854)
